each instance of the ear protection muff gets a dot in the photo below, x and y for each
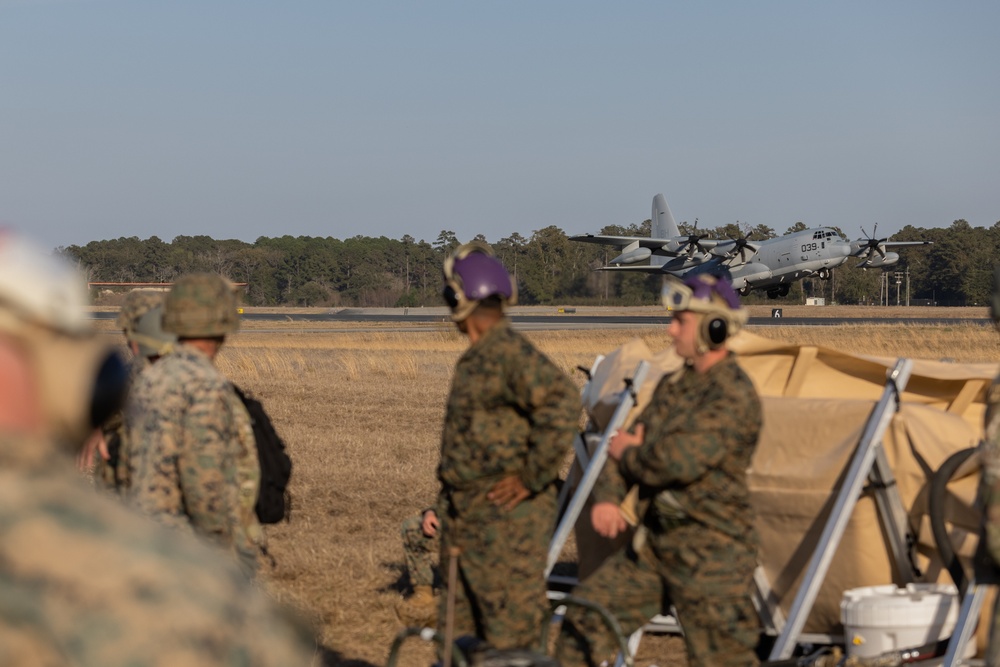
(713, 331)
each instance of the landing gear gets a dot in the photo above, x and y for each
(777, 292)
(824, 274)
(745, 290)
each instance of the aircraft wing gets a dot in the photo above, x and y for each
(672, 247)
(621, 241)
(863, 245)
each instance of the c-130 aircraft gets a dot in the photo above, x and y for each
(771, 265)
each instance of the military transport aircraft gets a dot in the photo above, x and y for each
(771, 265)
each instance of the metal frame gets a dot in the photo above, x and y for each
(868, 462)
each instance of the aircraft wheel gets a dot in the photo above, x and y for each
(744, 291)
(773, 293)
(783, 290)
(824, 274)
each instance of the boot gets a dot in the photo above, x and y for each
(420, 609)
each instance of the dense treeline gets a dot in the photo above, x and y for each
(550, 269)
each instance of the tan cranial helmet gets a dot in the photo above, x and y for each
(200, 305)
(80, 380)
(714, 298)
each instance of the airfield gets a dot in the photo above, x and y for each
(359, 396)
(554, 318)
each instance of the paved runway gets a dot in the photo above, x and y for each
(569, 320)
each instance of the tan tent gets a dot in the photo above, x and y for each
(816, 404)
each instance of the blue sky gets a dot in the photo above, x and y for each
(322, 118)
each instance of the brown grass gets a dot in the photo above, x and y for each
(362, 413)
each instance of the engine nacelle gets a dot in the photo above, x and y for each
(633, 256)
(877, 261)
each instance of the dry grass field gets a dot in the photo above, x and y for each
(361, 412)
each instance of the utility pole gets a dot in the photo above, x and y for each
(907, 287)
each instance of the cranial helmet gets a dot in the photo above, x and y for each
(137, 303)
(712, 297)
(80, 379)
(149, 335)
(200, 305)
(472, 274)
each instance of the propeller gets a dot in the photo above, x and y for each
(692, 243)
(871, 244)
(742, 246)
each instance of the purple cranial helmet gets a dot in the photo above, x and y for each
(472, 274)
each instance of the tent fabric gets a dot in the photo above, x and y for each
(816, 402)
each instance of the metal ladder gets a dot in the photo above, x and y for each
(867, 463)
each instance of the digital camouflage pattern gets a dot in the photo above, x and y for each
(511, 411)
(85, 583)
(420, 552)
(112, 474)
(136, 304)
(200, 305)
(700, 548)
(188, 444)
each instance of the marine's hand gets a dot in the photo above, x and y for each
(625, 439)
(607, 520)
(430, 523)
(508, 492)
(94, 443)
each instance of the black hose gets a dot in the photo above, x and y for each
(935, 508)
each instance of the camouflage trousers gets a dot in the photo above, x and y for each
(501, 592)
(721, 627)
(419, 552)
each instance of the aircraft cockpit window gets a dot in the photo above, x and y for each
(818, 235)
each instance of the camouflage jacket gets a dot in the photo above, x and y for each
(87, 582)
(701, 431)
(188, 444)
(511, 411)
(990, 480)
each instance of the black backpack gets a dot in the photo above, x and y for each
(274, 502)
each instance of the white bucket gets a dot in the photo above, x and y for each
(879, 619)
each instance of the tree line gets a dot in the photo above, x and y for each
(550, 269)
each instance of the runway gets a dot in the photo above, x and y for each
(560, 320)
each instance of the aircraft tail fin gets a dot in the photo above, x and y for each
(664, 226)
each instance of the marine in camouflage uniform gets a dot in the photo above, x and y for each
(108, 473)
(84, 582)
(688, 453)
(420, 552)
(194, 462)
(988, 572)
(510, 421)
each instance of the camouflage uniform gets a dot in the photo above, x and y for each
(510, 412)
(192, 443)
(86, 582)
(419, 551)
(699, 551)
(112, 474)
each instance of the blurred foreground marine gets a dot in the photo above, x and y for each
(510, 422)
(420, 551)
(688, 453)
(193, 455)
(990, 489)
(84, 582)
